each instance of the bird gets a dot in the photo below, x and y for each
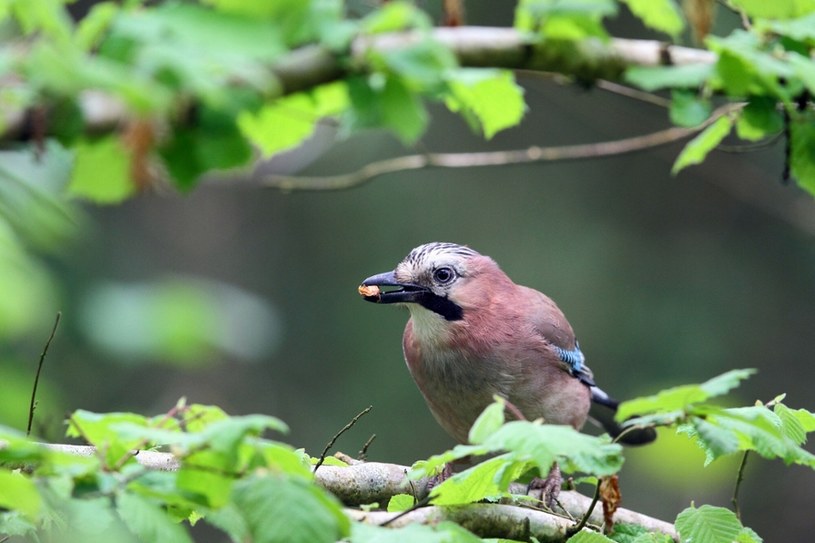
(473, 334)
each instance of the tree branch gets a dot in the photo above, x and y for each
(370, 482)
(313, 65)
(491, 158)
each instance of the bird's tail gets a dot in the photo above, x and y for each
(603, 412)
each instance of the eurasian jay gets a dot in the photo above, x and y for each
(473, 334)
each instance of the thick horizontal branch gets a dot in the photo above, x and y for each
(313, 65)
(375, 482)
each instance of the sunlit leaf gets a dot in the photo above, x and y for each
(777, 9)
(19, 493)
(802, 157)
(102, 171)
(708, 524)
(148, 521)
(489, 99)
(662, 15)
(698, 148)
(759, 119)
(688, 108)
(660, 77)
(400, 502)
(683, 396)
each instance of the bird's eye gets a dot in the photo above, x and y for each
(443, 275)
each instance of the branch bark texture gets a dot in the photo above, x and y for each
(368, 482)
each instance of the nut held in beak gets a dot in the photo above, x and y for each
(369, 291)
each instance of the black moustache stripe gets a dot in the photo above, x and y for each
(440, 304)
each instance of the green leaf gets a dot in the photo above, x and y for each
(443, 532)
(544, 444)
(662, 15)
(287, 122)
(486, 480)
(395, 16)
(759, 119)
(422, 67)
(682, 397)
(101, 171)
(148, 521)
(390, 105)
(804, 69)
(100, 431)
(688, 109)
(489, 100)
(487, 422)
(777, 9)
(802, 157)
(551, 16)
(400, 502)
(791, 424)
(698, 148)
(708, 524)
(634, 533)
(212, 142)
(689, 76)
(588, 536)
(19, 493)
(282, 509)
(92, 28)
(800, 29)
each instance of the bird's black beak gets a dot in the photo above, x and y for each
(372, 289)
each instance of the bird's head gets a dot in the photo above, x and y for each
(439, 277)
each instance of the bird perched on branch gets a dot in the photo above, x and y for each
(473, 334)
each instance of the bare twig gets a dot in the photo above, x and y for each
(363, 452)
(739, 479)
(334, 439)
(587, 515)
(418, 505)
(630, 92)
(33, 405)
(373, 170)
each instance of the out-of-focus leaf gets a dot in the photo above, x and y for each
(391, 105)
(689, 76)
(490, 100)
(178, 320)
(777, 9)
(288, 121)
(536, 15)
(395, 16)
(148, 521)
(101, 171)
(802, 157)
(688, 108)
(19, 493)
(662, 15)
(759, 119)
(400, 502)
(589, 536)
(487, 422)
(488, 479)
(698, 148)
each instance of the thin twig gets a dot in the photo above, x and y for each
(33, 406)
(419, 504)
(585, 519)
(338, 434)
(494, 158)
(363, 452)
(739, 479)
(630, 92)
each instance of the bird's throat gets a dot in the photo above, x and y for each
(439, 305)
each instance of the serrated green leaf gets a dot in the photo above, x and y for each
(634, 533)
(543, 444)
(19, 493)
(148, 521)
(708, 524)
(400, 502)
(802, 157)
(759, 119)
(682, 397)
(688, 108)
(489, 100)
(101, 171)
(662, 15)
(488, 479)
(287, 122)
(443, 532)
(791, 425)
(281, 509)
(698, 148)
(655, 78)
(487, 422)
(100, 430)
(747, 535)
